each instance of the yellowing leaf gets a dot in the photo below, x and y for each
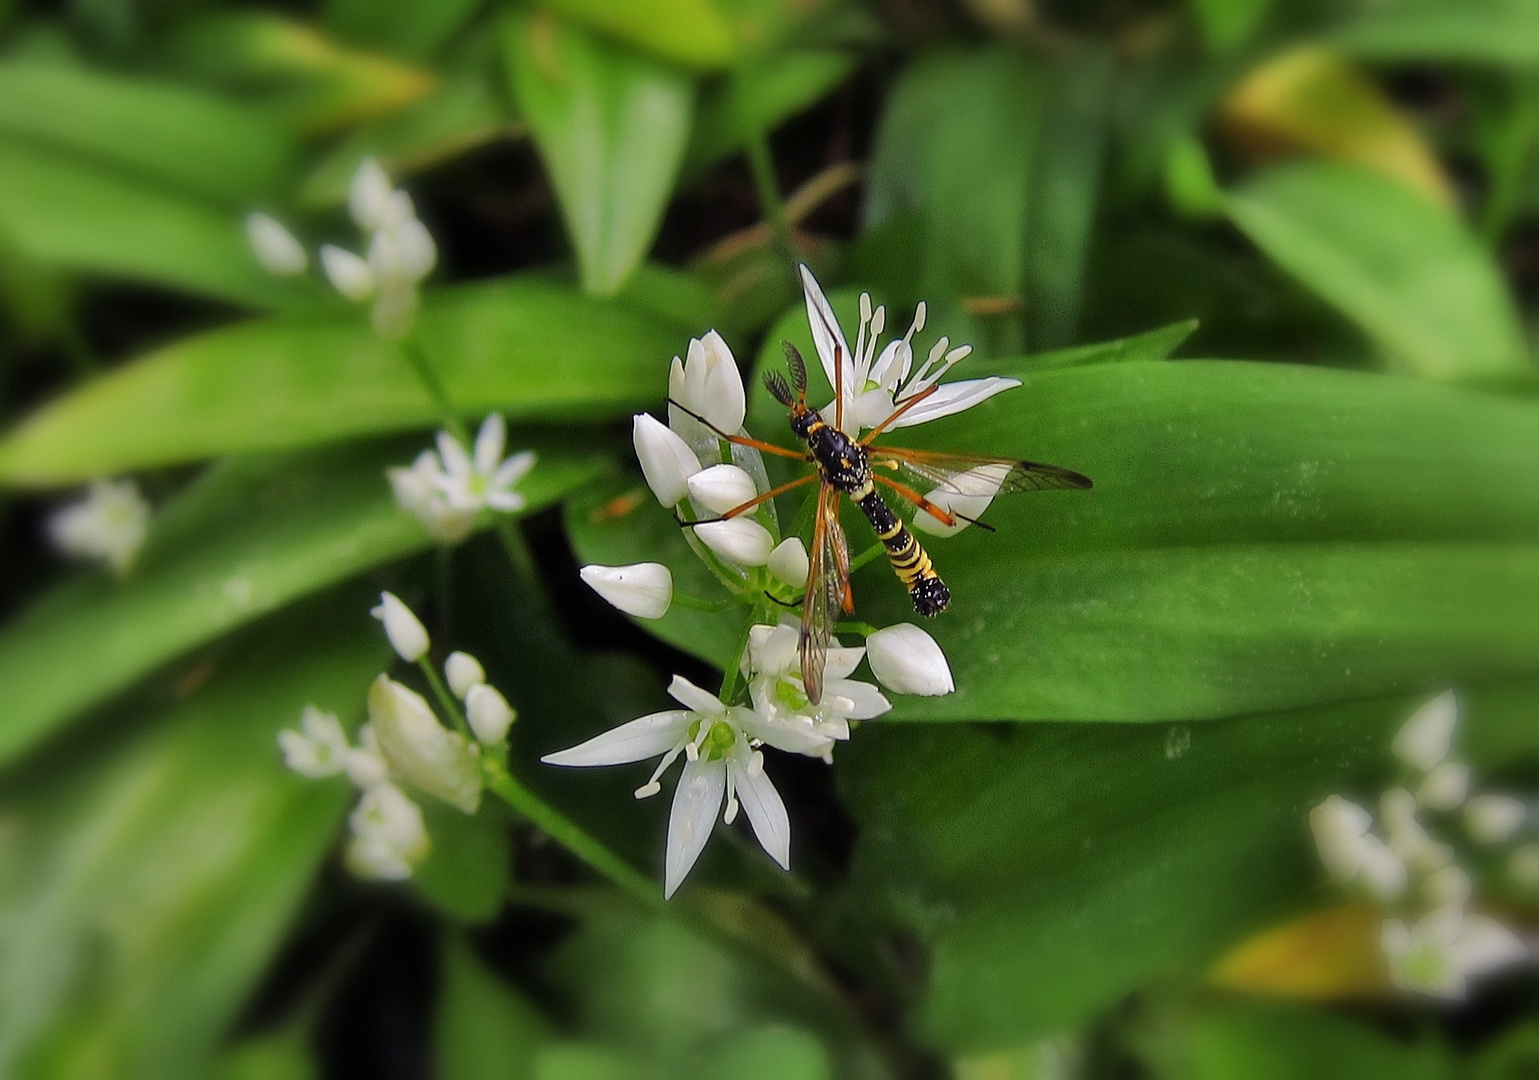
(1322, 956)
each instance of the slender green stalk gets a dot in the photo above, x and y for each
(446, 700)
(861, 628)
(517, 550)
(695, 603)
(768, 189)
(866, 556)
(422, 367)
(734, 669)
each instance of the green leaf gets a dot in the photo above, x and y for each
(1417, 282)
(611, 127)
(579, 1061)
(470, 864)
(155, 881)
(61, 210)
(690, 32)
(1226, 23)
(524, 346)
(283, 1056)
(757, 97)
(1502, 32)
(768, 1053)
(483, 1029)
(251, 536)
(1051, 870)
(402, 27)
(1150, 345)
(208, 147)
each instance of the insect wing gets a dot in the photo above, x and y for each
(976, 474)
(828, 588)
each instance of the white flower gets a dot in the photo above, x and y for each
(1449, 886)
(787, 719)
(420, 750)
(348, 274)
(401, 252)
(875, 386)
(706, 383)
(789, 562)
(642, 589)
(463, 671)
(419, 490)
(389, 837)
(1351, 854)
(1423, 741)
(365, 764)
(369, 195)
(720, 764)
(1445, 787)
(666, 459)
(980, 484)
(489, 714)
(447, 489)
(907, 660)
(740, 540)
(108, 525)
(721, 488)
(274, 246)
(407, 635)
(1492, 819)
(319, 748)
(1445, 949)
(1408, 838)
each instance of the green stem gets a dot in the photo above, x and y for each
(422, 367)
(866, 556)
(446, 700)
(734, 670)
(695, 603)
(861, 628)
(517, 551)
(571, 836)
(768, 188)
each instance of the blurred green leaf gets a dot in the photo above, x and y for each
(757, 97)
(611, 127)
(467, 871)
(483, 1028)
(1051, 869)
(1512, 1056)
(1283, 1042)
(1226, 23)
(1477, 31)
(144, 891)
(205, 145)
(407, 28)
(691, 32)
(62, 210)
(578, 1061)
(283, 1056)
(530, 348)
(768, 1053)
(253, 535)
(1411, 275)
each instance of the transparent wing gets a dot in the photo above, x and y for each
(975, 474)
(828, 591)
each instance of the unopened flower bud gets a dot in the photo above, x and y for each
(407, 634)
(275, 247)
(348, 273)
(419, 749)
(740, 540)
(389, 837)
(788, 561)
(707, 382)
(1492, 819)
(1445, 787)
(1423, 741)
(907, 660)
(463, 672)
(368, 196)
(721, 488)
(642, 589)
(489, 714)
(666, 460)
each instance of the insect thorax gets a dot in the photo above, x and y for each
(840, 459)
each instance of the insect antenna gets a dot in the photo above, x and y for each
(775, 383)
(797, 367)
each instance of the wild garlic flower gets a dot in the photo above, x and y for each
(907, 660)
(1443, 950)
(463, 672)
(642, 590)
(420, 750)
(275, 248)
(779, 697)
(666, 460)
(109, 525)
(399, 255)
(874, 386)
(447, 489)
(408, 637)
(789, 562)
(721, 765)
(708, 384)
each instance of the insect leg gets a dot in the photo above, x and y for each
(740, 440)
(945, 517)
(743, 508)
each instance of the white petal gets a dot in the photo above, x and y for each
(794, 735)
(789, 561)
(953, 398)
(1424, 740)
(419, 749)
(826, 334)
(907, 660)
(275, 247)
(463, 671)
(1448, 887)
(1408, 838)
(691, 819)
(490, 440)
(892, 365)
(407, 635)
(856, 700)
(512, 471)
(348, 274)
(766, 811)
(981, 483)
(841, 661)
(721, 488)
(109, 524)
(1485, 945)
(772, 649)
(368, 196)
(489, 714)
(1445, 787)
(637, 740)
(1337, 825)
(694, 698)
(1382, 872)
(1492, 819)
(666, 460)
(642, 589)
(723, 401)
(458, 467)
(739, 540)
(416, 253)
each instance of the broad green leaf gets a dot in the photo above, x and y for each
(1226, 23)
(401, 27)
(581, 1061)
(483, 1029)
(203, 144)
(690, 32)
(59, 209)
(283, 1056)
(251, 536)
(1408, 273)
(1280, 1042)
(527, 347)
(1150, 345)
(1050, 870)
(611, 127)
(467, 871)
(758, 96)
(149, 886)
(769, 1053)
(1502, 32)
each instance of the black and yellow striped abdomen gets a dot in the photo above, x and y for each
(909, 559)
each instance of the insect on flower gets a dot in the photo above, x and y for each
(851, 466)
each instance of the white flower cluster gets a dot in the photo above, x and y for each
(722, 744)
(402, 743)
(445, 489)
(108, 525)
(1433, 942)
(399, 251)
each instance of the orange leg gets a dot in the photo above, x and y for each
(899, 411)
(740, 440)
(751, 503)
(945, 517)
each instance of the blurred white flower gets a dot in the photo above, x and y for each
(666, 459)
(707, 383)
(365, 764)
(907, 660)
(275, 248)
(721, 488)
(389, 837)
(644, 590)
(875, 386)
(1492, 818)
(419, 490)
(740, 540)
(721, 764)
(369, 195)
(1423, 741)
(1408, 837)
(784, 717)
(1445, 787)
(420, 750)
(348, 273)
(445, 490)
(1449, 886)
(407, 635)
(400, 252)
(1352, 854)
(319, 748)
(463, 671)
(108, 525)
(489, 714)
(1446, 948)
(789, 561)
